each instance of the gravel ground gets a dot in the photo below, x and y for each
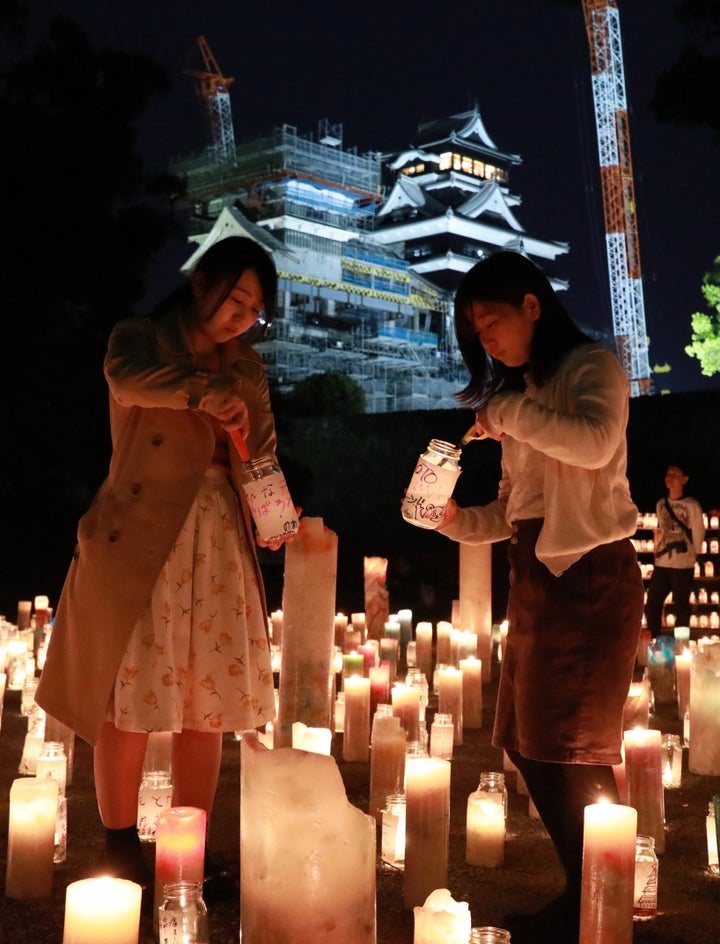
(689, 896)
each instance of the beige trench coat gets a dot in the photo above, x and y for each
(161, 449)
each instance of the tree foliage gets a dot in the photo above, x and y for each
(705, 344)
(331, 393)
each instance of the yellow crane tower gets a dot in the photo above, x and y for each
(602, 22)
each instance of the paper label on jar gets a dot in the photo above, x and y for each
(271, 506)
(427, 494)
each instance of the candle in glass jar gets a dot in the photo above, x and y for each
(485, 830)
(31, 838)
(472, 700)
(608, 874)
(179, 848)
(102, 909)
(643, 773)
(427, 786)
(450, 701)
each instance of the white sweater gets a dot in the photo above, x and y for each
(564, 459)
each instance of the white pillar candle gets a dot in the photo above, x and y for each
(318, 740)
(467, 644)
(643, 773)
(476, 598)
(308, 630)
(102, 909)
(379, 676)
(387, 762)
(31, 838)
(307, 856)
(636, 710)
(704, 755)
(405, 618)
(450, 698)
(356, 734)
(441, 920)
(423, 647)
(683, 663)
(376, 595)
(472, 700)
(276, 624)
(406, 707)
(443, 646)
(179, 847)
(608, 874)
(427, 786)
(389, 648)
(340, 628)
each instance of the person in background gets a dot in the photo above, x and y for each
(162, 622)
(678, 541)
(558, 402)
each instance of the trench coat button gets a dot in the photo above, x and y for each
(114, 536)
(135, 488)
(157, 439)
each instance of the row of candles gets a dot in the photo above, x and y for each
(426, 778)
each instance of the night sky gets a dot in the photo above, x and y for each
(381, 68)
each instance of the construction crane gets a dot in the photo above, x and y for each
(602, 22)
(213, 89)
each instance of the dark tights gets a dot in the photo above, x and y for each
(560, 793)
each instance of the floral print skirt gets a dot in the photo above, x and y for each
(198, 658)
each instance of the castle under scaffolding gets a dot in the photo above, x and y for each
(351, 236)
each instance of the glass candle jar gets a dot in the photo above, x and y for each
(442, 733)
(489, 935)
(182, 917)
(431, 485)
(485, 823)
(672, 754)
(154, 796)
(392, 849)
(269, 499)
(646, 878)
(51, 762)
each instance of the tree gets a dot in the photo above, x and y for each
(705, 344)
(84, 222)
(328, 393)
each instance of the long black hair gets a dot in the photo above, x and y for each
(222, 265)
(508, 277)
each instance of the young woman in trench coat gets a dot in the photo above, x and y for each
(162, 623)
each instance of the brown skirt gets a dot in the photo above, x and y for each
(570, 652)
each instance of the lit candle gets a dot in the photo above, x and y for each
(379, 676)
(406, 706)
(427, 785)
(423, 647)
(443, 648)
(389, 653)
(450, 692)
(356, 735)
(23, 614)
(31, 838)
(467, 644)
(353, 664)
(472, 700)
(671, 761)
(318, 740)
(307, 856)
(392, 629)
(704, 755)
(376, 595)
(387, 761)
(308, 650)
(636, 711)
(340, 628)
(661, 669)
(441, 920)
(404, 617)
(608, 874)
(179, 848)
(485, 830)
(643, 772)
(369, 655)
(102, 909)
(504, 627)
(475, 583)
(359, 624)
(276, 624)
